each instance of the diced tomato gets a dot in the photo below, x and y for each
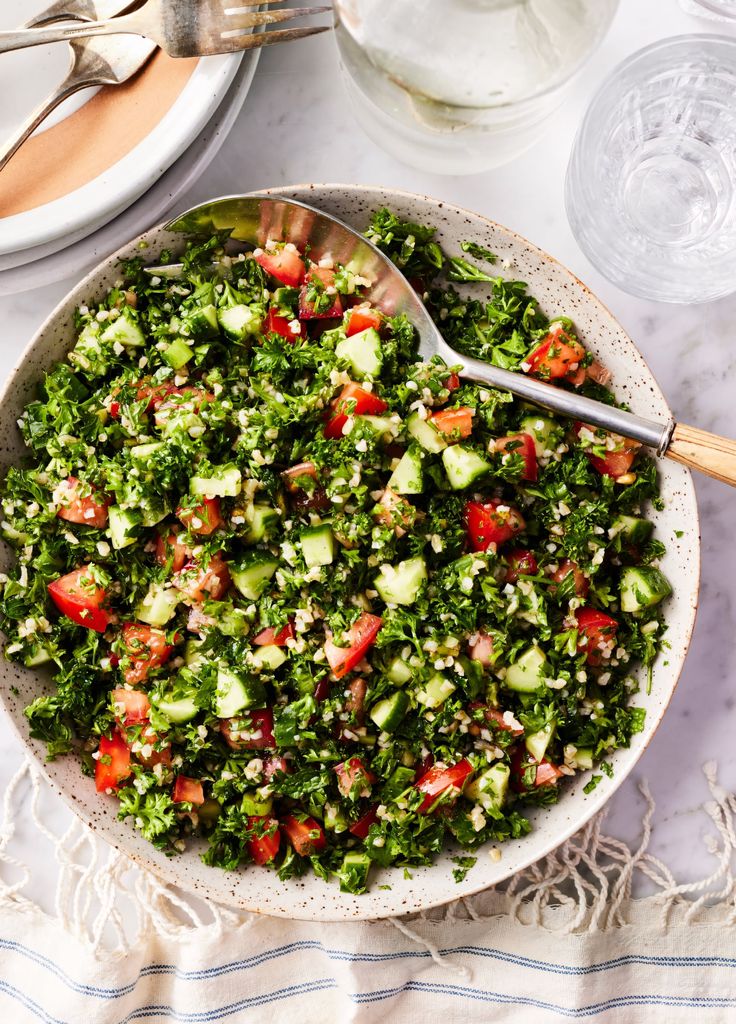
(353, 400)
(160, 749)
(270, 638)
(307, 836)
(439, 780)
(453, 382)
(353, 778)
(617, 461)
(187, 791)
(198, 583)
(294, 477)
(491, 522)
(263, 847)
(362, 318)
(360, 639)
(250, 730)
(546, 773)
(361, 827)
(114, 409)
(322, 690)
(275, 764)
(558, 356)
(113, 764)
(135, 706)
(284, 263)
(496, 717)
(521, 563)
(596, 634)
(85, 510)
(324, 280)
(524, 445)
(598, 372)
(169, 547)
(202, 519)
(582, 583)
(454, 423)
(147, 648)
(78, 596)
(482, 649)
(281, 325)
(393, 510)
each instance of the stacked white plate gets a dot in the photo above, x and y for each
(108, 163)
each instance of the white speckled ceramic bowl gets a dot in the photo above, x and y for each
(558, 292)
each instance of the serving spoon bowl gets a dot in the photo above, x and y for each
(254, 220)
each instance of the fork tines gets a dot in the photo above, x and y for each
(241, 19)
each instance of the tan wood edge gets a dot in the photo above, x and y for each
(708, 453)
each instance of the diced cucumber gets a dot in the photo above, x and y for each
(537, 742)
(236, 693)
(123, 526)
(40, 655)
(388, 713)
(463, 466)
(251, 576)
(399, 780)
(318, 545)
(177, 709)
(579, 757)
(192, 653)
(285, 298)
(232, 621)
(153, 514)
(363, 352)
(407, 477)
(239, 321)
(542, 429)
(202, 322)
(525, 675)
(145, 452)
(400, 584)
(490, 788)
(435, 691)
(399, 672)
(354, 872)
(254, 804)
(269, 657)
(177, 354)
(642, 587)
(158, 606)
(125, 331)
(427, 435)
(264, 520)
(181, 421)
(223, 482)
(637, 531)
(387, 427)
(89, 353)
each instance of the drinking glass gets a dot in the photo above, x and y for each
(724, 8)
(650, 189)
(457, 86)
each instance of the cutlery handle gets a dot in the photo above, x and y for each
(73, 83)
(710, 454)
(18, 39)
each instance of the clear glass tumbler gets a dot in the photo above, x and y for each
(457, 86)
(651, 184)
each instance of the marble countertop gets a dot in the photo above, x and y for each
(296, 126)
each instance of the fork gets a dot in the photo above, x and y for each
(94, 62)
(193, 29)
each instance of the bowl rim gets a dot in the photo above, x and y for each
(166, 872)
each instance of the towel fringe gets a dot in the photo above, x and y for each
(584, 886)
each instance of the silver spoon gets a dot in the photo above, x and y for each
(255, 219)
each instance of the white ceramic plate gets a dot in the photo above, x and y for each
(178, 97)
(558, 292)
(62, 258)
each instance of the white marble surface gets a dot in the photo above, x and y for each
(297, 127)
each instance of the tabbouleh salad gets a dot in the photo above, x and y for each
(308, 597)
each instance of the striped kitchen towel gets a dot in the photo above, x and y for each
(565, 941)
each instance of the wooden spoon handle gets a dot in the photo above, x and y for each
(711, 454)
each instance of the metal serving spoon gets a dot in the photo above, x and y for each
(255, 219)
